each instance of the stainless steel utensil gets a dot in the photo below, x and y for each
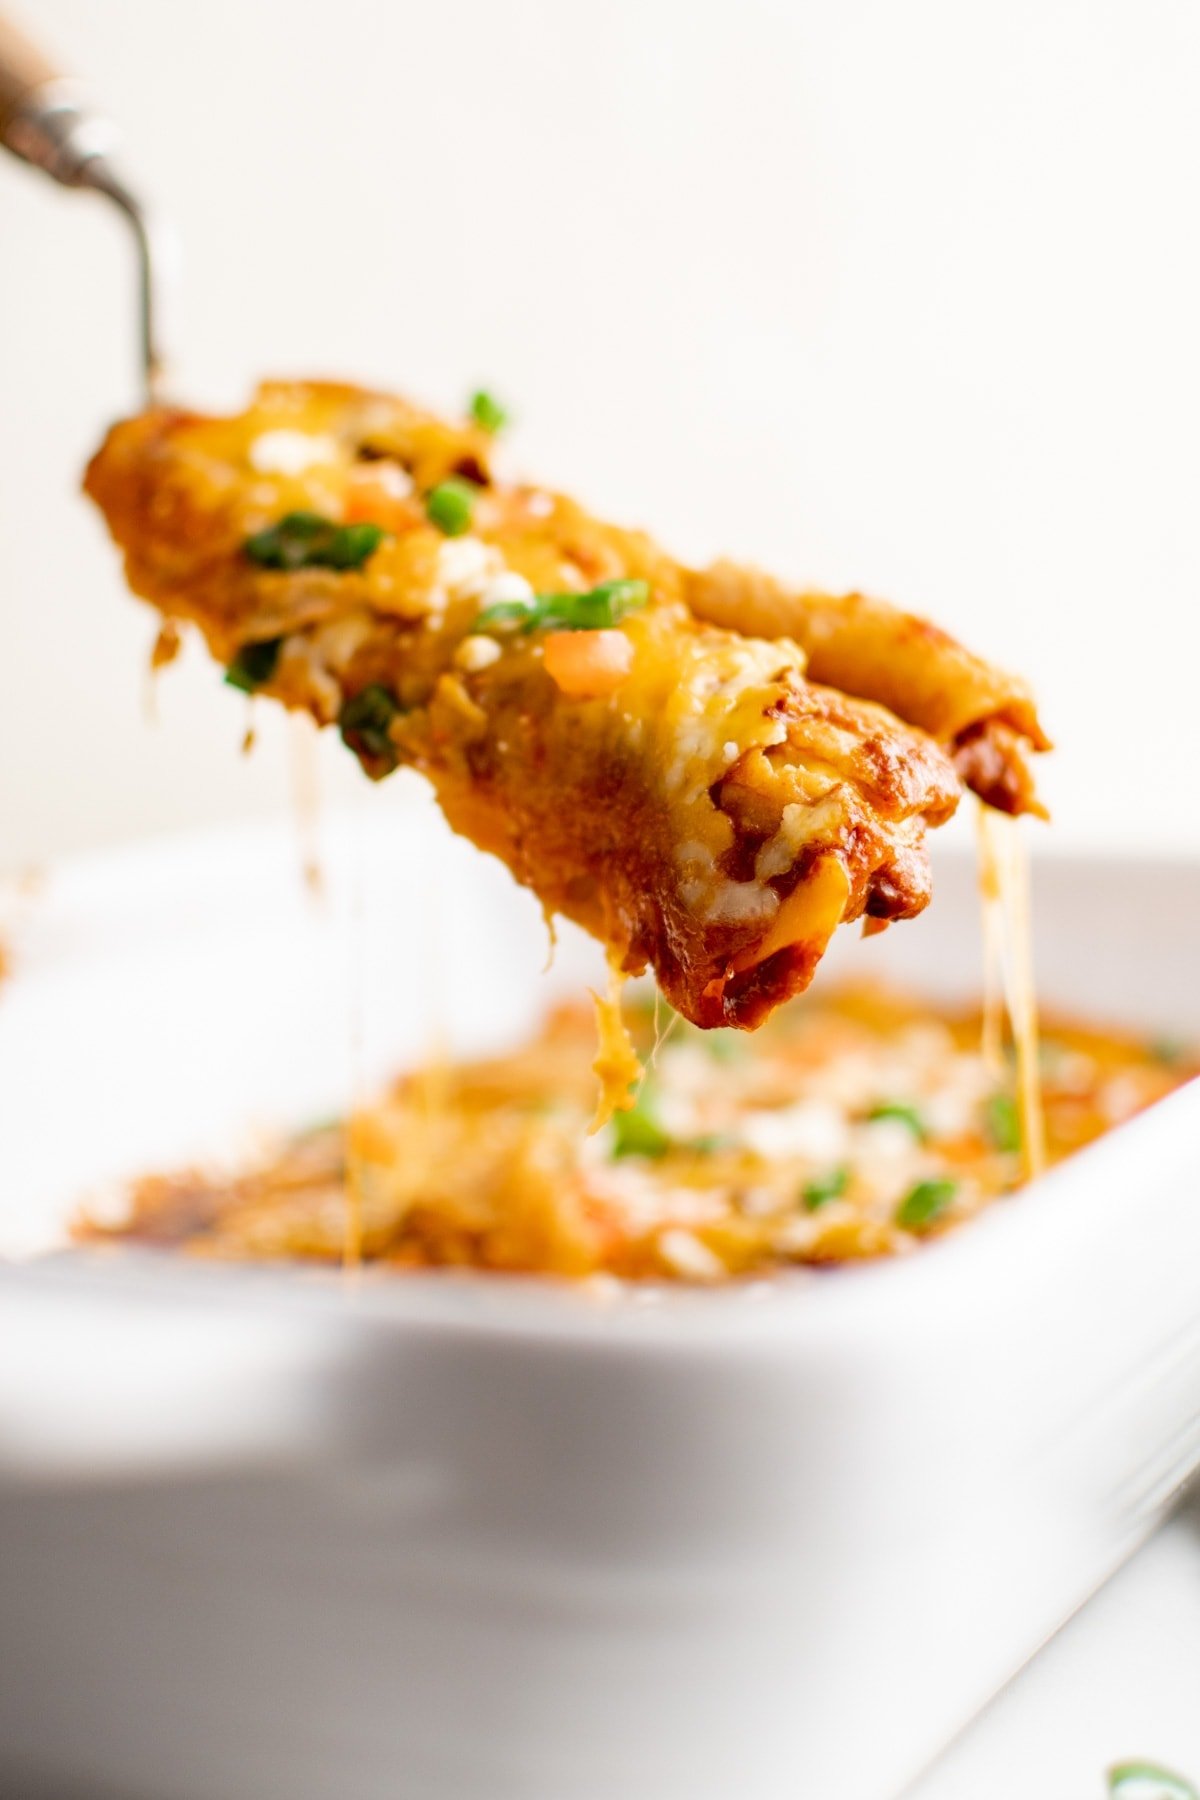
(47, 120)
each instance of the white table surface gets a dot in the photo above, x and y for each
(1121, 1681)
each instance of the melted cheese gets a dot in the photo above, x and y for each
(1004, 886)
(720, 776)
(699, 692)
(305, 795)
(486, 1164)
(617, 1064)
(810, 914)
(992, 921)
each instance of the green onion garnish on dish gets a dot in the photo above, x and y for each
(903, 1113)
(306, 540)
(451, 505)
(637, 1132)
(1002, 1118)
(1148, 1781)
(487, 412)
(596, 609)
(925, 1203)
(365, 724)
(253, 664)
(823, 1188)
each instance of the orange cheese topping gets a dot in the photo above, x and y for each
(674, 787)
(853, 1125)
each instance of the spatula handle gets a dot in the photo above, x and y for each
(25, 68)
(45, 120)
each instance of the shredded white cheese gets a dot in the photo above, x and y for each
(688, 1256)
(812, 1129)
(465, 566)
(733, 902)
(506, 588)
(475, 653)
(291, 452)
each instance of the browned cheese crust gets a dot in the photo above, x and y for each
(714, 813)
(985, 716)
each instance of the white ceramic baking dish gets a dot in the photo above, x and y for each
(451, 1538)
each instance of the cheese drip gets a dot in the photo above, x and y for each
(992, 909)
(617, 1065)
(305, 800)
(1008, 969)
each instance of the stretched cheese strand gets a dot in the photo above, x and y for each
(992, 908)
(306, 799)
(1022, 1002)
(1005, 869)
(352, 1240)
(617, 1065)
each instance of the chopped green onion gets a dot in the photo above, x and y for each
(638, 1132)
(903, 1114)
(924, 1203)
(253, 664)
(306, 540)
(596, 609)
(1148, 1781)
(710, 1143)
(508, 612)
(487, 411)
(365, 724)
(450, 505)
(1003, 1119)
(724, 1045)
(823, 1188)
(353, 544)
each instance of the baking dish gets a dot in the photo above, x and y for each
(489, 1539)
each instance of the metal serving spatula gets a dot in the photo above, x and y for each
(46, 120)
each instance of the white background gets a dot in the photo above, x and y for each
(894, 296)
